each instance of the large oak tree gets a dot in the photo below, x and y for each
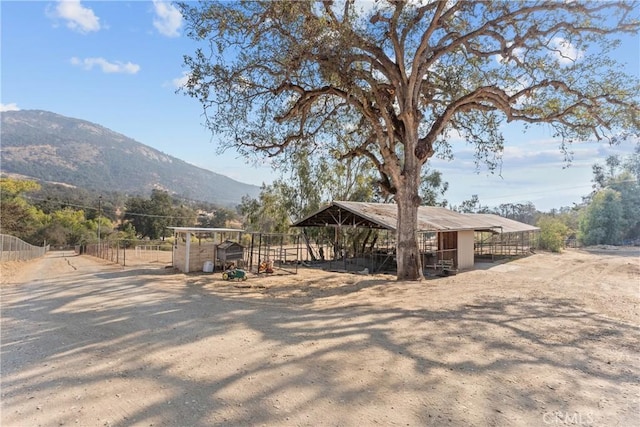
(398, 78)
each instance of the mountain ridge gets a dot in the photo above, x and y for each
(54, 148)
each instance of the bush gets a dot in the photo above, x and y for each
(552, 233)
(602, 222)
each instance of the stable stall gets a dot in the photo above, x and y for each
(446, 237)
(510, 238)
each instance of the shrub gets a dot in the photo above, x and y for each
(552, 233)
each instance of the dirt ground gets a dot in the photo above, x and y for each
(544, 340)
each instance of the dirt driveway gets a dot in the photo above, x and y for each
(544, 340)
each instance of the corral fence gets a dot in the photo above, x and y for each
(129, 252)
(14, 249)
(351, 250)
(490, 245)
(268, 251)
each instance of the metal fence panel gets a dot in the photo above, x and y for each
(129, 252)
(14, 249)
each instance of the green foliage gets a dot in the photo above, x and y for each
(18, 217)
(553, 232)
(433, 189)
(11, 188)
(310, 182)
(220, 218)
(313, 182)
(62, 218)
(127, 232)
(602, 220)
(270, 213)
(612, 211)
(472, 205)
(67, 227)
(151, 217)
(523, 212)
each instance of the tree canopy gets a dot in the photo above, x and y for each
(151, 217)
(612, 211)
(392, 81)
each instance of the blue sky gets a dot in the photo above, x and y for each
(118, 64)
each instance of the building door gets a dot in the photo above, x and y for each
(447, 245)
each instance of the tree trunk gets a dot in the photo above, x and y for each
(407, 198)
(309, 248)
(408, 255)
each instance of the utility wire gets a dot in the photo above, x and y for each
(103, 209)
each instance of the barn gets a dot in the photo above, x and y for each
(445, 237)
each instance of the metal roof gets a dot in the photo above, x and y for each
(506, 225)
(385, 216)
(228, 244)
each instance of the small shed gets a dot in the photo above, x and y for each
(229, 251)
(194, 246)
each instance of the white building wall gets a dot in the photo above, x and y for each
(465, 249)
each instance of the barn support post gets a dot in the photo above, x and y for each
(259, 251)
(174, 248)
(520, 244)
(282, 250)
(251, 252)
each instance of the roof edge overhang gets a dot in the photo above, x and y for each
(372, 215)
(338, 221)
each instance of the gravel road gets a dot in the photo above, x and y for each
(543, 340)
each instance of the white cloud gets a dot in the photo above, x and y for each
(106, 66)
(168, 19)
(517, 54)
(180, 82)
(564, 51)
(79, 18)
(9, 107)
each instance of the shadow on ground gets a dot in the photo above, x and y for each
(158, 349)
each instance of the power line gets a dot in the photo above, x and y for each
(158, 216)
(96, 209)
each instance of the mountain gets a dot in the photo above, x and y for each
(49, 147)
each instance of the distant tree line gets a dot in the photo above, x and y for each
(57, 216)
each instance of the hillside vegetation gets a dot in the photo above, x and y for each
(48, 147)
